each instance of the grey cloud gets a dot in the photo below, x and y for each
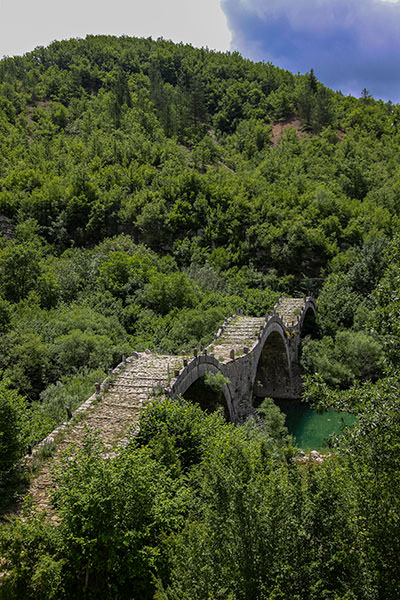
(351, 44)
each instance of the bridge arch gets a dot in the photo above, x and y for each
(190, 384)
(273, 376)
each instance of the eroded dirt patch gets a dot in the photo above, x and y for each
(279, 128)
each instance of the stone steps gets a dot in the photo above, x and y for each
(289, 309)
(130, 386)
(241, 332)
(237, 338)
(128, 377)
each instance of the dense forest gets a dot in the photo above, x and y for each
(147, 190)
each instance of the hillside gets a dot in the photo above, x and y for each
(147, 191)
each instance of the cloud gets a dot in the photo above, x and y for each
(25, 24)
(350, 44)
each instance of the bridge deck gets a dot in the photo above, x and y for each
(111, 417)
(289, 309)
(241, 332)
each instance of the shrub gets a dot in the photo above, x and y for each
(13, 429)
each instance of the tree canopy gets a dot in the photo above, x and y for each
(147, 190)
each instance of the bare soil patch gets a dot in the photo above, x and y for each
(279, 128)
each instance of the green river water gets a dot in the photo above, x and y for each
(311, 429)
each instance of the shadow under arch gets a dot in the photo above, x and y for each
(309, 325)
(273, 375)
(192, 386)
(207, 397)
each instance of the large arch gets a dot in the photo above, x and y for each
(273, 374)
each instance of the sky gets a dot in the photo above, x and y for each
(350, 44)
(25, 24)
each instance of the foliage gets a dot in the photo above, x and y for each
(372, 446)
(386, 306)
(201, 506)
(59, 398)
(350, 356)
(189, 427)
(215, 381)
(34, 552)
(13, 430)
(114, 544)
(147, 190)
(273, 423)
(337, 304)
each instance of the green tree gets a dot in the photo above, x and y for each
(13, 430)
(337, 304)
(19, 269)
(168, 291)
(351, 356)
(123, 274)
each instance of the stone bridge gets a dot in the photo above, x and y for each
(258, 357)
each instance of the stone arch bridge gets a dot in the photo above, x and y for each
(258, 357)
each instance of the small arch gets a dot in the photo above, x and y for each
(208, 398)
(191, 386)
(273, 375)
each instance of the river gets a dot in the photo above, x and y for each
(310, 428)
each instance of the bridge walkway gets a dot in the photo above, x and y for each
(289, 309)
(240, 332)
(111, 415)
